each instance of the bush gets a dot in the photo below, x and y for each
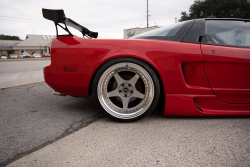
(3, 55)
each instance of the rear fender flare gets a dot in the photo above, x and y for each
(150, 63)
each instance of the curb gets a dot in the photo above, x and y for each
(25, 59)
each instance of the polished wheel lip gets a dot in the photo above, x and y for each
(125, 113)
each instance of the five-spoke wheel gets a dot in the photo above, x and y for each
(126, 90)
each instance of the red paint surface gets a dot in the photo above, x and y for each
(179, 66)
(228, 72)
(89, 54)
(184, 105)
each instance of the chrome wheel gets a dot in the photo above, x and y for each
(125, 90)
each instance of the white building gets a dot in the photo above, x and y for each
(34, 43)
(6, 46)
(128, 33)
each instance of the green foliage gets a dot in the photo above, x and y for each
(218, 9)
(3, 55)
(8, 37)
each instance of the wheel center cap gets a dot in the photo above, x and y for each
(126, 90)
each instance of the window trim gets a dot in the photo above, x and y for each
(197, 30)
(181, 33)
(227, 45)
(235, 46)
(233, 19)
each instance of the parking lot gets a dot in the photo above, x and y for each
(16, 72)
(40, 129)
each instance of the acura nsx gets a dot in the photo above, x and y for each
(198, 67)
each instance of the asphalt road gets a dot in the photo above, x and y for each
(40, 129)
(32, 117)
(15, 73)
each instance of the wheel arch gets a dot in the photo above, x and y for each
(126, 56)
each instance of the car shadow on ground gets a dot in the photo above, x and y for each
(80, 104)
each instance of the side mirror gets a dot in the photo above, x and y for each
(57, 16)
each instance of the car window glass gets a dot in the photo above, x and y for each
(229, 32)
(169, 30)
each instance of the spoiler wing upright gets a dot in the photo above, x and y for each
(58, 16)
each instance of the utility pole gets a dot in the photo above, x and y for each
(40, 48)
(147, 13)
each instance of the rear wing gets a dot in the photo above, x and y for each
(58, 16)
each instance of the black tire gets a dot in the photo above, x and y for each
(112, 74)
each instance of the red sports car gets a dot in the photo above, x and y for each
(198, 67)
(45, 55)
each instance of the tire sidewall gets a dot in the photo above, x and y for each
(145, 66)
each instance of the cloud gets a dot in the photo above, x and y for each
(109, 17)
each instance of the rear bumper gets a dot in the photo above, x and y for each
(51, 78)
(71, 91)
(50, 75)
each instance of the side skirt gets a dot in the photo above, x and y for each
(202, 105)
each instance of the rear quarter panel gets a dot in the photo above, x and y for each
(172, 60)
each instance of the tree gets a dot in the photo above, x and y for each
(8, 37)
(218, 9)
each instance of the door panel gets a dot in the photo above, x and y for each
(228, 72)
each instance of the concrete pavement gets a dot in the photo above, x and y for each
(20, 78)
(15, 73)
(154, 141)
